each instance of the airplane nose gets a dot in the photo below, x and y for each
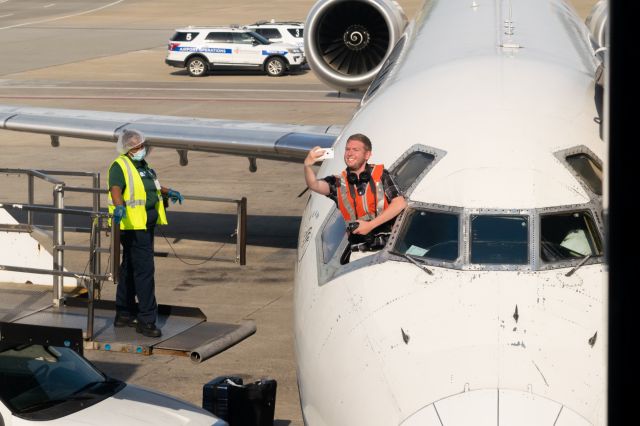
(492, 407)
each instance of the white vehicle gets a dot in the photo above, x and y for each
(45, 381)
(202, 49)
(280, 32)
(486, 307)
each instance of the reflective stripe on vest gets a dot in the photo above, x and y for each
(135, 198)
(366, 206)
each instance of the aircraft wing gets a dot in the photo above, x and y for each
(271, 141)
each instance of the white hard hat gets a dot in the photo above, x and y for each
(129, 139)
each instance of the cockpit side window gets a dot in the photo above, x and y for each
(429, 234)
(589, 171)
(332, 235)
(406, 173)
(499, 239)
(567, 236)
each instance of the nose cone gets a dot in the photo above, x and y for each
(493, 407)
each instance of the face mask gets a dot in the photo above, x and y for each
(138, 156)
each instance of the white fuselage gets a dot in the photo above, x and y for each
(381, 342)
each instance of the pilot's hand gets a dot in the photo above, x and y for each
(364, 228)
(175, 196)
(313, 156)
(119, 213)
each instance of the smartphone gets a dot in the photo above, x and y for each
(328, 153)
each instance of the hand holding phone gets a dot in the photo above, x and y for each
(328, 153)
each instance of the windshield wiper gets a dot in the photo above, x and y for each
(582, 262)
(416, 262)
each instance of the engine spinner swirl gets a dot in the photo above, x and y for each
(356, 37)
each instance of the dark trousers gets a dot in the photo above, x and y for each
(137, 273)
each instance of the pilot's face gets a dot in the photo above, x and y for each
(356, 155)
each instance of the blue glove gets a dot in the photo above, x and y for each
(119, 213)
(175, 196)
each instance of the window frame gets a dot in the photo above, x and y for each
(194, 33)
(400, 224)
(277, 31)
(592, 209)
(227, 34)
(531, 218)
(299, 30)
(580, 149)
(438, 154)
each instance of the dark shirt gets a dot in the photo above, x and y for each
(116, 178)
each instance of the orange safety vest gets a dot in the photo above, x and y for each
(366, 206)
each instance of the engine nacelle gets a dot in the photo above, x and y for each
(347, 41)
(597, 22)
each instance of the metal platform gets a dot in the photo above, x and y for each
(185, 331)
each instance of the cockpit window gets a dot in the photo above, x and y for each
(568, 235)
(499, 239)
(406, 173)
(589, 171)
(430, 234)
(332, 235)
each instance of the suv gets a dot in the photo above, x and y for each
(201, 49)
(277, 32)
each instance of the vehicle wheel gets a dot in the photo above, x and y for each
(275, 67)
(197, 66)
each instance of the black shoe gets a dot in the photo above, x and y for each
(124, 319)
(148, 329)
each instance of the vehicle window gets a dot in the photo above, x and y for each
(219, 37)
(36, 378)
(410, 168)
(184, 36)
(499, 239)
(296, 32)
(568, 235)
(332, 235)
(429, 234)
(260, 38)
(243, 38)
(589, 171)
(269, 32)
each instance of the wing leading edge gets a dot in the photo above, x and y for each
(284, 142)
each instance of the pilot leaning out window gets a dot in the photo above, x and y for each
(364, 193)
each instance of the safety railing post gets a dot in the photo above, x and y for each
(96, 208)
(91, 283)
(241, 233)
(115, 251)
(58, 243)
(31, 190)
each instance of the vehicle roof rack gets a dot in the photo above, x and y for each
(274, 22)
(203, 27)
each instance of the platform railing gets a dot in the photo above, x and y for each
(58, 228)
(92, 281)
(58, 203)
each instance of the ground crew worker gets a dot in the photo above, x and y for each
(136, 203)
(364, 193)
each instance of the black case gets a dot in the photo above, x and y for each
(252, 404)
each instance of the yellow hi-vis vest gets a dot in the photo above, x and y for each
(135, 198)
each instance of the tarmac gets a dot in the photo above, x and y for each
(109, 55)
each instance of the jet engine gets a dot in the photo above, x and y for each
(597, 22)
(347, 41)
